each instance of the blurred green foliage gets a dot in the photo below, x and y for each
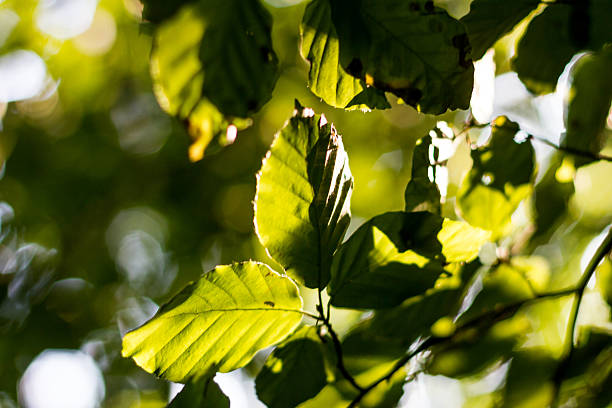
(103, 216)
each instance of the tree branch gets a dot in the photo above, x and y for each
(602, 251)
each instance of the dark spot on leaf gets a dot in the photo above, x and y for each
(462, 43)
(355, 67)
(251, 104)
(429, 7)
(414, 6)
(269, 303)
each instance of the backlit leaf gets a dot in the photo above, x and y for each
(217, 323)
(562, 30)
(398, 255)
(222, 71)
(412, 49)
(589, 103)
(294, 372)
(490, 20)
(201, 394)
(302, 205)
(498, 181)
(326, 77)
(421, 193)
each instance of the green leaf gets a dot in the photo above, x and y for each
(217, 323)
(421, 193)
(499, 180)
(495, 289)
(412, 49)
(528, 382)
(222, 70)
(157, 11)
(589, 103)
(327, 78)
(201, 394)
(397, 255)
(294, 372)
(490, 20)
(554, 36)
(302, 204)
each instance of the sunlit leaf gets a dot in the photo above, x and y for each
(489, 20)
(589, 103)
(554, 36)
(222, 70)
(201, 394)
(397, 255)
(217, 323)
(421, 193)
(294, 372)
(412, 49)
(302, 205)
(327, 78)
(496, 288)
(498, 181)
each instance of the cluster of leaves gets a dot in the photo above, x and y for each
(419, 272)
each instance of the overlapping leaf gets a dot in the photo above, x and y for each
(302, 205)
(498, 181)
(490, 20)
(326, 77)
(217, 323)
(589, 103)
(201, 394)
(421, 193)
(294, 372)
(398, 255)
(562, 30)
(222, 70)
(412, 49)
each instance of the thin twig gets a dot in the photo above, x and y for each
(602, 251)
(571, 150)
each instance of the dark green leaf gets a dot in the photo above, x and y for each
(202, 394)
(421, 193)
(157, 11)
(498, 181)
(528, 382)
(412, 49)
(553, 37)
(490, 20)
(223, 69)
(302, 205)
(217, 323)
(327, 78)
(294, 372)
(398, 255)
(589, 103)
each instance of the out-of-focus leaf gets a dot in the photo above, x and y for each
(604, 280)
(398, 255)
(589, 103)
(421, 193)
(495, 289)
(326, 77)
(157, 11)
(414, 50)
(551, 196)
(217, 323)
(490, 20)
(498, 181)
(201, 394)
(302, 204)
(222, 70)
(528, 382)
(554, 36)
(294, 372)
